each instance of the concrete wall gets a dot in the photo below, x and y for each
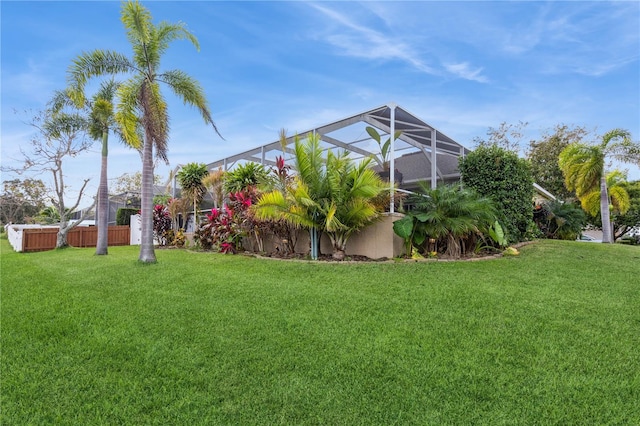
(375, 241)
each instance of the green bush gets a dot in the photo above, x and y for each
(123, 215)
(451, 216)
(558, 220)
(501, 175)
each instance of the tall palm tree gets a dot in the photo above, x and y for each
(584, 166)
(140, 99)
(101, 121)
(190, 178)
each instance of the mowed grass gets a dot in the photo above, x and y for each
(549, 337)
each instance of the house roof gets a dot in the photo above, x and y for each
(412, 152)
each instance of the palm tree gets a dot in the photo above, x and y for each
(140, 99)
(332, 195)
(584, 165)
(618, 196)
(190, 178)
(101, 120)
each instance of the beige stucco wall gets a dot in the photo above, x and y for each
(375, 241)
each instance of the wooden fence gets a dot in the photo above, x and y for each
(81, 236)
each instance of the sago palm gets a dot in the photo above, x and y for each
(449, 214)
(584, 165)
(140, 99)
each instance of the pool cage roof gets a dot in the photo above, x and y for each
(420, 151)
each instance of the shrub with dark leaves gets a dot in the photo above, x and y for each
(161, 223)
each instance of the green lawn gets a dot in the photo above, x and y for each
(549, 337)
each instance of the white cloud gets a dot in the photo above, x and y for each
(463, 70)
(368, 43)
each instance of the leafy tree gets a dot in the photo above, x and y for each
(21, 199)
(543, 155)
(190, 178)
(452, 216)
(60, 135)
(506, 136)
(131, 183)
(499, 174)
(583, 166)
(623, 223)
(140, 97)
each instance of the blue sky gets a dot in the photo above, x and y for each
(460, 66)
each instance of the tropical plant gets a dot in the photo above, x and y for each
(140, 98)
(48, 216)
(583, 166)
(245, 175)
(454, 217)
(559, 220)
(619, 201)
(501, 175)
(190, 177)
(213, 183)
(161, 223)
(384, 147)
(331, 194)
(625, 222)
(178, 207)
(226, 227)
(101, 121)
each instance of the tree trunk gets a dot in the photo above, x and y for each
(339, 243)
(103, 201)
(61, 237)
(147, 252)
(605, 215)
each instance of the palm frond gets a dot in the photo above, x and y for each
(137, 22)
(93, 64)
(127, 112)
(190, 91)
